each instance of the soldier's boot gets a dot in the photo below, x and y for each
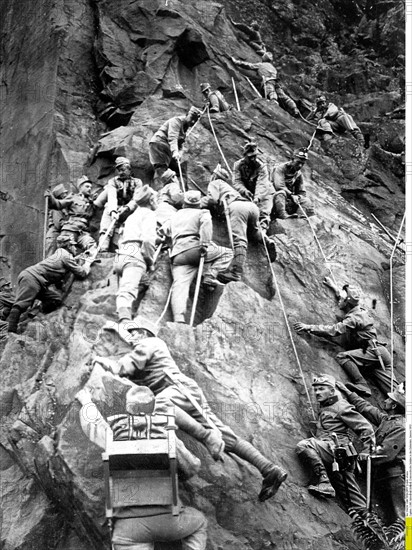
(322, 486)
(271, 247)
(358, 384)
(13, 319)
(235, 270)
(124, 314)
(280, 207)
(211, 438)
(357, 134)
(273, 476)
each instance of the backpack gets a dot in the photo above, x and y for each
(223, 104)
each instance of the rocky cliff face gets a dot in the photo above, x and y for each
(84, 81)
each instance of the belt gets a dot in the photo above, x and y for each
(187, 235)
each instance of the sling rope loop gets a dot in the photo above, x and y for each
(166, 306)
(391, 294)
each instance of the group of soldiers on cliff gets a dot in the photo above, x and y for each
(136, 222)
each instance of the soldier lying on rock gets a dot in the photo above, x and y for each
(333, 119)
(167, 142)
(34, 282)
(361, 339)
(290, 193)
(332, 445)
(150, 364)
(139, 526)
(388, 464)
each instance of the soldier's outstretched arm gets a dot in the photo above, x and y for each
(93, 424)
(70, 264)
(371, 413)
(331, 330)
(245, 64)
(173, 135)
(357, 423)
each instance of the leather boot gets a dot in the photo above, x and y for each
(322, 486)
(271, 246)
(280, 207)
(13, 319)
(358, 384)
(235, 270)
(211, 438)
(273, 476)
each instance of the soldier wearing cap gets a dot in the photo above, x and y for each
(137, 244)
(389, 454)
(253, 33)
(336, 418)
(150, 364)
(243, 219)
(121, 199)
(139, 526)
(58, 202)
(359, 336)
(191, 232)
(170, 197)
(80, 209)
(34, 282)
(333, 119)
(214, 99)
(289, 186)
(251, 180)
(167, 142)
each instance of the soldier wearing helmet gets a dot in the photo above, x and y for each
(289, 186)
(359, 337)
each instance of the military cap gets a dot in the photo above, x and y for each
(167, 176)
(140, 400)
(83, 180)
(321, 99)
(398, 395)
(254, 25)
(221, 173)
(250, 149)
(59, 190)
(192, 198)
(353, 294)
(194, 112)
(301, 154)
(205, 86)
(143, 323)
(267, 56)
(4, 282)
(324, 380)
(144, 195)
(120, 161)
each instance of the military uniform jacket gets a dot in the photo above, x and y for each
(285, 178)
(139, 235)
(122, 193)
(357, 325)
(172, 194)
(390, 432)
(265, 70)
(337, 416)
(79, 212)
(172, 133)
(219, 190)
(255, 179)
(331, 112)
(189, 228)
(54, 268)
(58, 211)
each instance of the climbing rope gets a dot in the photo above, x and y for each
(391, 294)
(182, 183)
(217, 142)
(320, 246)
(287, 325)
(166, 306)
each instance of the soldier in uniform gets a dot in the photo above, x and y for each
(34, 282)
(333, 119)
(360, 337)
(191, 232)
(170, 197)
(167, 142)
(139, 526)
(243, 218)
(121, 191)
(336, 418)
(150, 364)
(56, 216)
(7, 299)
(253, 33)
(137, 246)
(389, 455)
(289, 186)
(214, 99)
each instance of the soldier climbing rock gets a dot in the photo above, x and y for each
(150, 364)
(34, 282)
(142, 524)
(191, 232)
(167, 142)
(333, 119)
(137, 244)
(388, 463)
(121, 193)
(289, 187)
(361, 339)
(332, 445)
(170, 197)
(214, 99)
(7, 299)
(254, 38)
(243, 217)
(58, 202)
